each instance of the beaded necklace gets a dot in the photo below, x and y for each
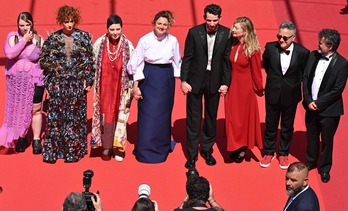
(113, 55)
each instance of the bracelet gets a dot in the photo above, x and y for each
(213, 201)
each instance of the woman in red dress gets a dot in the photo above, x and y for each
(243, 128)
(112, 91)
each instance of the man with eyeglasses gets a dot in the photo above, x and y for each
(284, 62)
(324, 80)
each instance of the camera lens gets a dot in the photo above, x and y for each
(144, 191)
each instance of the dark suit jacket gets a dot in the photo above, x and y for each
(194, 63)
(284, 89)
(329, 100)
(306, 201)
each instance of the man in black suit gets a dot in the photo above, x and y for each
(284, 62)
(301, 196)
(205, 71)
(323, 83)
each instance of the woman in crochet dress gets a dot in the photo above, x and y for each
(24, 86)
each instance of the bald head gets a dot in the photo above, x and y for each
(296, 178)
(298, 166)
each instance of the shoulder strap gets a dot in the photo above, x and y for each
(16, 39)
(38, 42)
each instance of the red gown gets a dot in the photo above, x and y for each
(241, 109)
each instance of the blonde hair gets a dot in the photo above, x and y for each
(251, 43)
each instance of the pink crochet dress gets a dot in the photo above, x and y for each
(22, 73)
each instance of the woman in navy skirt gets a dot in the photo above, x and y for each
(155, 64)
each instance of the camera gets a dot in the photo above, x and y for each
(87, 181)
(192, 172)
(144, 191)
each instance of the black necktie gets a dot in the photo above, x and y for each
(287, 52)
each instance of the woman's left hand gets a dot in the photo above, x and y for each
(137, 93)
(88, 88)
(260, 93)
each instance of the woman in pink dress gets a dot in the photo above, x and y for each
(243, 128)
(24, 86)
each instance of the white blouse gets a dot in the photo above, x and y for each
(155, 50)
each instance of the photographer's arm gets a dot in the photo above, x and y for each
(97, 203)
(155, 205)
(212, 202)
(184, 203)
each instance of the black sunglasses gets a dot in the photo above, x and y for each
(284, 37)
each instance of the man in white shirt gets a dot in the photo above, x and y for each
(324, 80)
(284, 62)
(205, 72)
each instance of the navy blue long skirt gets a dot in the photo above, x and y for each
(155, 113)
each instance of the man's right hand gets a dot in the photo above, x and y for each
(185, 87)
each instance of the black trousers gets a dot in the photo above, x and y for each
(324, 127)
(286, 115)
(194, 108)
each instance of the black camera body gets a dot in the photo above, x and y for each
(87, 181)
(192, 172)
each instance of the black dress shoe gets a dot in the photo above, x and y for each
(37, 147)
(209, 159)
(190, 163)
(310, 166)
(21, 145)
(325, 177)
(238, 155)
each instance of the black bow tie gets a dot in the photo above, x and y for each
(324, 58)
(211, 32)
(287, 52)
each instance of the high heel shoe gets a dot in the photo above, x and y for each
(37, 147)
(21, 145)
(238, 155)
(106, 154)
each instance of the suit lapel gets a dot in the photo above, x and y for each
(277, 57)
(311, 75)
(293, 59)
(203, 36)
(328, 71)
(218, 37)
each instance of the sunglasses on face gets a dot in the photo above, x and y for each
(284, 37)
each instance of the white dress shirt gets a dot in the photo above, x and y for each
(155, 50)
(211, 41)
(286, 59)
(319, 75)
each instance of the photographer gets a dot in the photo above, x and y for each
(199, 192)
(76, 202)
(97, 203)
(144, 203)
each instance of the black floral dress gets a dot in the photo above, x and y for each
(65, 78)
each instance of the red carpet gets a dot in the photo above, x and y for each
(30, 184)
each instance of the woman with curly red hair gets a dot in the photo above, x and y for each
(68, 67)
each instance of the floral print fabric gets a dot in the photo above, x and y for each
(65, 80)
